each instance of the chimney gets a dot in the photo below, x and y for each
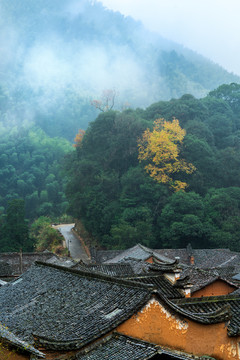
(187, 290)
(177, 275)
(190, 254)
(191, 260)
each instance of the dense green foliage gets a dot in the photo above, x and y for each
(30, 168)
(14, 234)
(45, 237)
(57, 57)
(120, 205)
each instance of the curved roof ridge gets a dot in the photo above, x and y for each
(173, 265)
(150, 251)
(96, 275)
(12, 339)
(156, 255)
(212, 317)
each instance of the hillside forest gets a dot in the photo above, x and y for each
(102, 181)
(71, 69)
(120, 204)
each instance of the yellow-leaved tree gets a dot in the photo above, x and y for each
(160, 148)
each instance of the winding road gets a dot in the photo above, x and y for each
(73, 243)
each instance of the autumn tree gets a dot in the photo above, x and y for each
(107, 100)
(78, 138)
(160, 148)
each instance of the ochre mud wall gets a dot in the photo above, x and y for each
(7, 354)
(217, 288)
(157, 325)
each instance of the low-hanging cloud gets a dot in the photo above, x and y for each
(89, 68)
(70, 55)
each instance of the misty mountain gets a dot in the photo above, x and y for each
(57, 56)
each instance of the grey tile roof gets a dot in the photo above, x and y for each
(204, 316)
(118, 269)
(163, 286)
(137, 271)
(66, 308)
(236, 277)
(121, 347)
(138, 252)
(61, 261)
(216, 257)
(200, 278)
(12, 339)
(214, 304)
(182, 254)
(138, 266)
(204, 258)
(5, 269)
(100, 256)
(10, 262)
(228, 272)
(164, 267)
(127, 267)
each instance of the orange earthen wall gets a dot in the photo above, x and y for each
(218, 287)
(157, 325)
(6, 354)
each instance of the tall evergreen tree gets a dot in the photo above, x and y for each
(15, 230)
